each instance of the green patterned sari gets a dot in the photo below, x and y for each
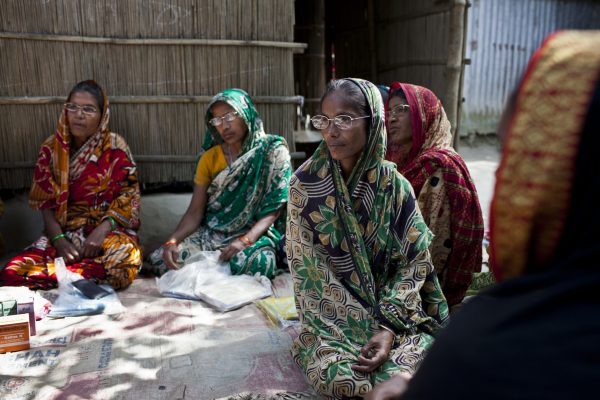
(255, 185)
(358, 253)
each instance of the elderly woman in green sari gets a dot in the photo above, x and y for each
(367, 294)
(241, 187)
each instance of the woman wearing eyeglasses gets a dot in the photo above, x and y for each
(241, 186)
(420, 143)
(366, 291)
(85, 184)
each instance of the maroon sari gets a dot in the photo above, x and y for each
(445, 191)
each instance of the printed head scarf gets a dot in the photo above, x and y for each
(242, 103)
(535, 178)
(50, 188)
(430, 126)
(373, 153)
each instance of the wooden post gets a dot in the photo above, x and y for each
(372, 41)
(454, 66)
(309, 68)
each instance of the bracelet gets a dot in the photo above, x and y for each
(55, 238)
(244, 239)
(113, 223)
(387, 328)
(171, 242)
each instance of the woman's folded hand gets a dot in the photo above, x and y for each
(232, 249)
(66, 250)
(170, 255)
(375, 352)
(93, 243)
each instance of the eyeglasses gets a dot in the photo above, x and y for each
(343, 122)
(229, 117)
(87, 110)
(396, 111)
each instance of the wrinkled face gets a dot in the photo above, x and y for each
(344, 145)
(398, 123)
(83, 125)
(233, 132)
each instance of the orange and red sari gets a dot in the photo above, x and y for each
(83, 188)
(445, 191)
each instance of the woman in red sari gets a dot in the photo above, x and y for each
(420, 143)
(85, 184)
(535, 334)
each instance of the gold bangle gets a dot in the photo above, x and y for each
(244, 239)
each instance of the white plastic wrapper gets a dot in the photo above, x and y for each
(72, 303)
(205, 278)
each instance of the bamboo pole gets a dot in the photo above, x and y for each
(174, 99)
(156, 158)
(372, 41)
(462, 77)
(296, 47)
(455, 61)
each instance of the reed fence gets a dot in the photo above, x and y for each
(159, 61)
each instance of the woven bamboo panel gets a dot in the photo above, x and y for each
(160, 63)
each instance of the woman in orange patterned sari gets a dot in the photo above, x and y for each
(420, 143)
(85, 184)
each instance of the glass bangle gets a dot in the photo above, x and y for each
(56, 237)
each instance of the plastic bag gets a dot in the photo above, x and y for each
(72, 303)
(208, 279)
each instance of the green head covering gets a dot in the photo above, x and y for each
(241, 102)
(373, 153)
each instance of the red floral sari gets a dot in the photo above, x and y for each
(445, 191)
(84, 188)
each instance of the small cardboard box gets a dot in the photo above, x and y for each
(14, 333)
(25, 306)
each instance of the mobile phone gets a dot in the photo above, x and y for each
(90, 289)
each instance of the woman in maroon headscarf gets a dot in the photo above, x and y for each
(535, 334)
(420, 143)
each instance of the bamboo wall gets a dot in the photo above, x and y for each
(420, 42)
(160, 63)
(411, 41)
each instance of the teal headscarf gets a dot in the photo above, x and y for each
(257, 182)
(241, 102)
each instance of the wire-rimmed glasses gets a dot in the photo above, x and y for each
(398, 110)
(87, 110)
(342, 122)
(229, 117)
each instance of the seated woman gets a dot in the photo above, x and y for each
(366, 291)
(85, 183)
(420, 143)
(241, 186)
(534, 335)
